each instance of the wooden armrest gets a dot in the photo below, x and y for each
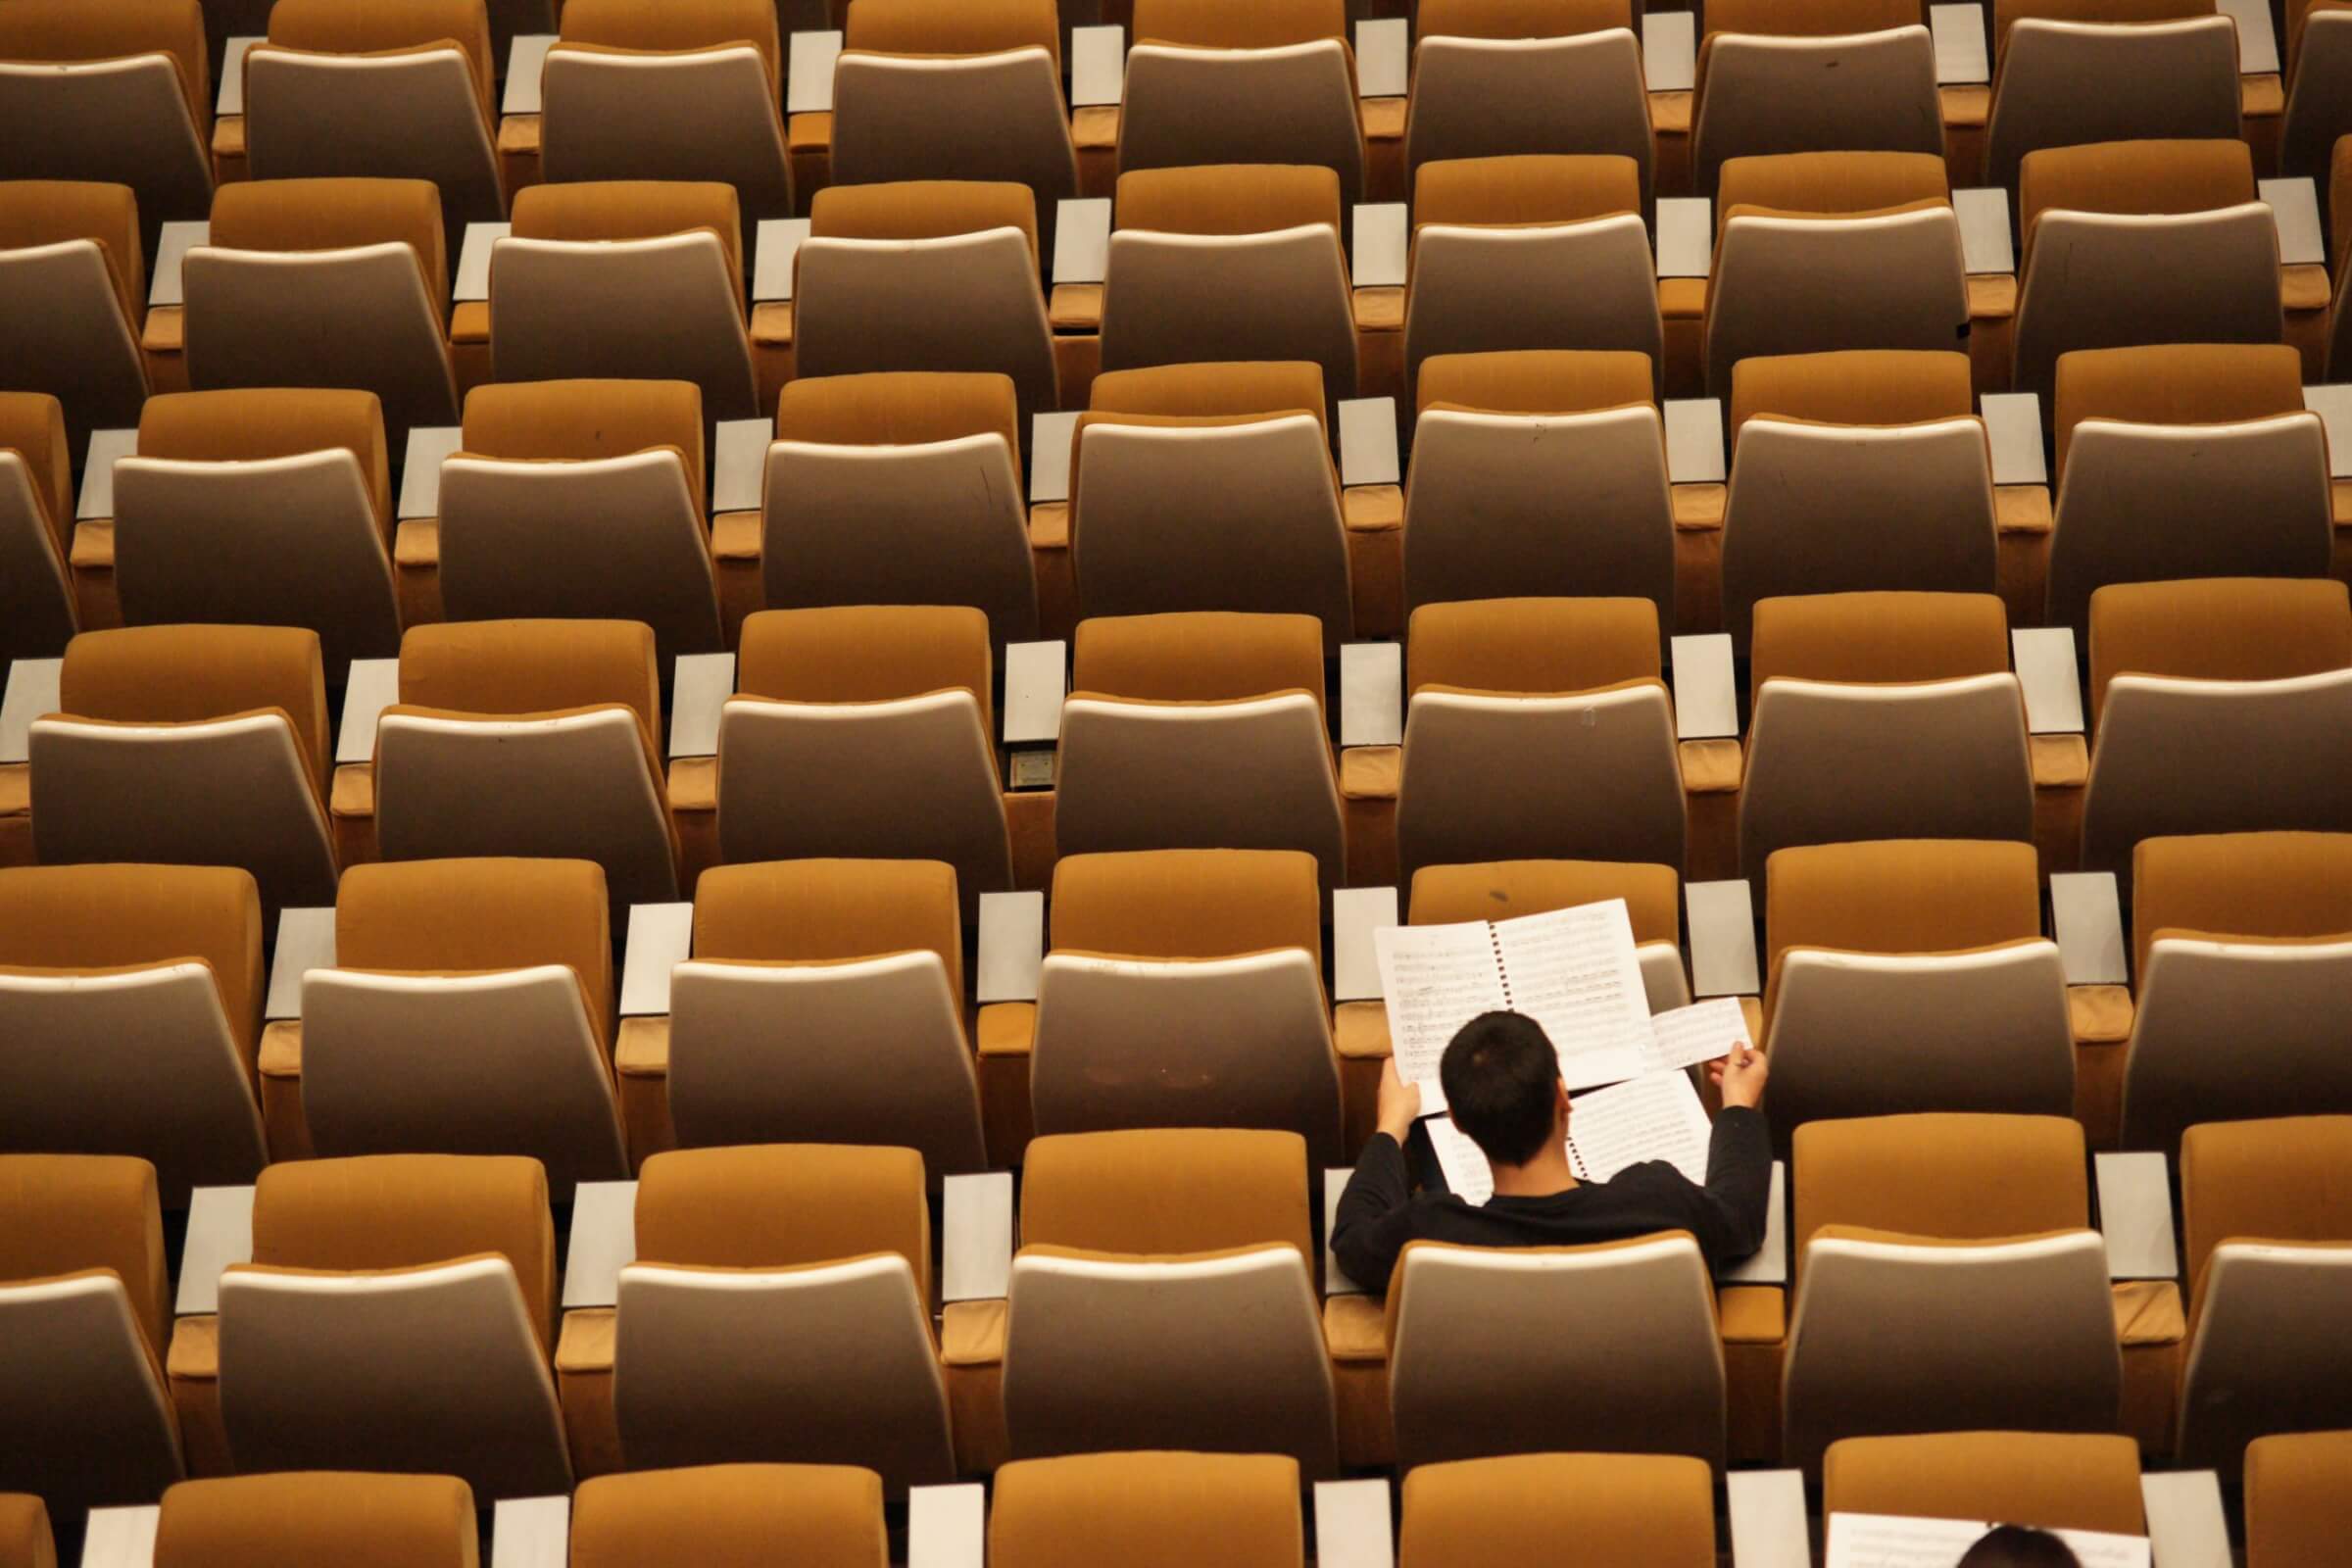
(972, 1334)
(2060, 761)
(354, 791)
(194, 1355)
(416, 543)
(1076, 307)
(1372, 508)
(1355, 1329)
(1359, 1031)
(1379, 309)
(1698, 508)
(1710, 768)
(1004, 1029)
(1752, 1314)
(586, 1343)
(1370, 772)
(2099, 1015)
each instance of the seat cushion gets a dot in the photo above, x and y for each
(248, 424)
(51, 212)
(2176, 383)
(731, 1516)
(820, 910)
(579, 421)
(2217, 628)
(185, 674)
(295, 1518)
(1197, 657)
(631, 209)
(784, 1205)
(1535, 381)
(1228, 198)
(1879, 637)
(66, 1214)
(1533, 645)
(1547, 188)
(1856, 387)
(319, 215)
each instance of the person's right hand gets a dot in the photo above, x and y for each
(1740, 1075)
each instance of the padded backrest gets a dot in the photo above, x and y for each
(1852, 386)
(899, 407)
(2284, 1180)
(77, 29)
(1528, 188)
(533, 666)
(1227, 198)
(65, 1214)
(2297, 1514)
(49, 211)
(2133, 177)
(960, 28)
(299, 1517)
(1147, 1510)
(1810, 18)
(110, 916)
(1187, 904)
(330, 27)
(181, 675)
(2049, 1480)
(2176, 383)
(1535, 381)
(1154, 1191)
(1879, 637)
(580, 420)
(2007, 13)
(632, 208)
(866, 654)
(1212, 391)
(2287, 886)
(732, 1516)
(1950, 1177)
(247, 424)
(922, 208)
(1520, 18)
(1901, 896)
(675, 25)
(2217, 628)
(1653, 1509)
(1197, 657)
(1533, 645)
(1504, 890)
(1824, 183)
(32, 424)
(820, 910)
(318, 215)
(1211, 25)
(782, 1205)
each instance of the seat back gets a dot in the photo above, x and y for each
(2046, 1480)
(2317, 82)
(73, 273)
(1797, 284)
(1182, 298)
(821, 1514)
(1487, 287)
(1155, 1510)
(704, 114)
(1189, 106)
(1550, 1350)
(283, 1521)
(2175, 79)
(37, 613)
(917, 75)
(1484, 97)
(1653, 1509)
(116, 93)
(1856, 92)
(2295, 1499)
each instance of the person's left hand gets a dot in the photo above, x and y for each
(1399, 1105)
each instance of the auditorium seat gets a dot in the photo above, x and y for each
(1159, 709)
(1148, 1510)
(1210, 487)
(2185, 460)
(1163, 1297)
(1855, 471)
(2046, 1480)
(583, 500)
(2217, 706)
(399, 90)
(900, 488)
(131, 1007)
(1504, 890)
(1911, 976)
(2073, 71)
(1493, 238)
(469, 1011)
(395, 1316)
(1538, 473)
(1185, 989)
(1230, 262)
(37, 613)
(529, 738)
(1214, 83)
(2339, 202)
(1833, 250)
(865, 731)
(779, 1311)
(25, 1537)
(949, 90)
(927, 275)
(2319, 91)
(1538, 728)
(731, 1516)
(824, 1004)
(190, 745)
(2266, 1228)
(1494, 77)
(1882, 715)
(117, 91)
(679, 91)
(2242, 943)
(2136, 242)
(1946, 1277)
(261, 506)
(635, 279)
(2296, 1492)
(300, 1518)
(1801, 77)
(84, 1306)
(1639, 1510)
(73, 300)
(325, 283)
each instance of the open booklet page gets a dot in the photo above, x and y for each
(1435, 979)
(1575, 973)
(1684, 1037)
(1653, 1117)
(1882, 1541)
(1468, 1176)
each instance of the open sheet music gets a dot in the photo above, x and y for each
(1882, 1541)
(1656, 1116)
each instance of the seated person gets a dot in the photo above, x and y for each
(1501, 1078)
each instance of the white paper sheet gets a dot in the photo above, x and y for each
(1468, 1176)
(1654, 1117)
(1689, 1036)
(1575, 973)
(1434, 979)
(1882, 1541)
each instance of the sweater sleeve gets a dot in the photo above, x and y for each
(1375, 1214)
(1729, 1212)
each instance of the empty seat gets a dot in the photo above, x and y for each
(2243, 945)
(1651, 1510)
(1148, 1510)
(1776, 77)
(2136, 242)
(262, 505)
(1882, 715)
(731, 1516)
(1820, 251)
(582, 499)
(638, 279)
(1946, 1277)
(1163, 1297)
(1855, 471)
(865, 731)
(1538, 473)
(824, 1004)
(779, 1311)
(924, 276)
(37, 613)
(2046, 1480)
(130, 1010)
(900, 488)
(302, 1517)
(2071, 72)
(83, 1308)
(529, 738)
(2266, 1229)
(2217, 706)
(469, 1011)
(1494, 236)
(1210, 83)
(1226, 262)
(1185, 989)
(1493, 77)
(74, 284)
(117, 91)
(685, 90)
(1503, 890)
(396, 1315)
(1210, 487)
(2319, 92)
(2185, 460)
(399, 90)
(1912, 975)
(190, 745)
(2295, 1495)
(1199, 731)
(1536, 728)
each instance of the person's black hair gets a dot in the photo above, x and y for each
(2019, 1547)
(1501, 1079)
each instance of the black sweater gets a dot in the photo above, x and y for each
(1379, 1213)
